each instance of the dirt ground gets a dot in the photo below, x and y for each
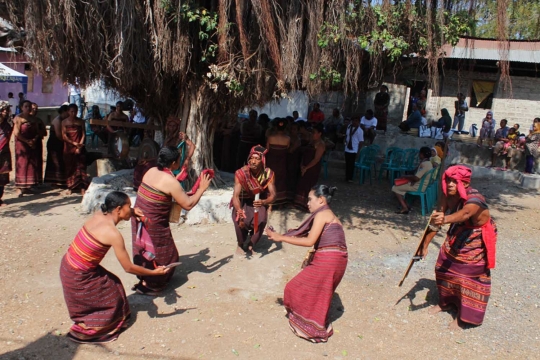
(225, 307)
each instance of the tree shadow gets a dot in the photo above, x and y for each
(431, 298)
(60, 346)
(41, 208)
(264, 247)
(336, 308)
(190, 263)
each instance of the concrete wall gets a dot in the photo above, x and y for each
(57, 97)
(520, 104)
(295, 100)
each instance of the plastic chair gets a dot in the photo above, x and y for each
(409, 161)
(394, 167)
(425, 199)
(386, 161)
(365, 163)
(433, 187)
(94, 140)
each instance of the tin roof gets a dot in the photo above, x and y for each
(480, 49)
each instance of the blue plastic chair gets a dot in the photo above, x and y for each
(365, 163)
(425, 199)
(386, 161)
(409, 161)
(433, 187)
(394, 169)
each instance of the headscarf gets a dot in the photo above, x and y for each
(261, 151)
(459, 173)
(439, 151)
(4, 105)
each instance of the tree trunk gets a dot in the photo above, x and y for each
(199, 127)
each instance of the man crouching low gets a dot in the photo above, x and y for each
(254, 190)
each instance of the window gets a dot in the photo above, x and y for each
(482, 94)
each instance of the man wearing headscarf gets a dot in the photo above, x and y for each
(468, 253)
(254, 190)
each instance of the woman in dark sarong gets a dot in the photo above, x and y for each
(468, 253)
(42, 133)
(294, 158)
(5, 152)
(74, 135)
(276, 159)
(95, 297)
(381, 102)
(308, 295)
(310, 168)
(55, 171)
(153, 244)
(27, 155)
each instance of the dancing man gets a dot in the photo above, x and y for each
(254, 190)
(468, 253)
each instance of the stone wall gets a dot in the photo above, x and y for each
(520, 104)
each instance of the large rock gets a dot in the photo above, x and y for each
(101, 186)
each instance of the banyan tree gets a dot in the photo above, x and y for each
(205, 60)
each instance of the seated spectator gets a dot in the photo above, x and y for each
(444, 123)
(487, 131)
(316, 116)
(435, 159)
(369, 124)
(414, 121)
(532, 147)
(501, 138)
(413, 184)
(333, 124)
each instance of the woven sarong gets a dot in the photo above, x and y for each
(55, 171)
(75, 163)
(27, 159)
(276, 159)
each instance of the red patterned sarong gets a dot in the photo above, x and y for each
(27, 159)
(75, 163)
(156, 206)
(308, 295)
(95, 297)
(5, 153)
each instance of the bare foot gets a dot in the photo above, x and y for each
(455, 325)
(66, 192)
(435, 310)
(83, 191)
(19, 193)
(240, 251)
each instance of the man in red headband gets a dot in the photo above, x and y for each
(468, 253)
(254, 190)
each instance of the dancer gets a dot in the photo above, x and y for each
(95, 297)
(153, 244)
(308, 295)
(468, 253)
(254, 190)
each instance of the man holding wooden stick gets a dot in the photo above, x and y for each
(466, 257)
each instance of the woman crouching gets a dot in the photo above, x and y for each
(308, 295)
(95, 297)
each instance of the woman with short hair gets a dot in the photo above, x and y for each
(74, 135)
(308, 295)
(95, 297)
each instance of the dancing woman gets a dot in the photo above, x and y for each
(95, 297)
(308, 295)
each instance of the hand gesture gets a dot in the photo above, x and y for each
(161, 270)
(182, 136)
(437, 218)
(31, 143)
(205, 182)
(272, 235)
(137, 212)
(303, 170)
(257, 203)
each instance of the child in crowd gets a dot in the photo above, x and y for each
(513, 140)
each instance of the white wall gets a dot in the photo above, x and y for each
(295, 100)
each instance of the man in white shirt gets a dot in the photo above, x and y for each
(13, 103)
(354, 140)
(369, 124)
(75, 97)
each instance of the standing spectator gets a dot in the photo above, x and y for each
(459, 117)
(501, 138)
(368, 125)
(5, 153)
(250, 132)
(42, 133)
(381, 102)
(22, 98)
(354, 140)
(316, 115)
(295, 115)
(74, 136)
(13, 103)
(55, 170)
(75, 97)
(488, 130)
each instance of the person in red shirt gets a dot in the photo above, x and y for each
(316, 116)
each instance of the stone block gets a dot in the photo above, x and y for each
(528, 181)
(100, 187)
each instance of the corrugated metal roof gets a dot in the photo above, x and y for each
(520, 51)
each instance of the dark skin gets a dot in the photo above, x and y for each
(477, 215)
(255, 166)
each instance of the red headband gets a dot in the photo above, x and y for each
(459, 173)
(259, 150)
